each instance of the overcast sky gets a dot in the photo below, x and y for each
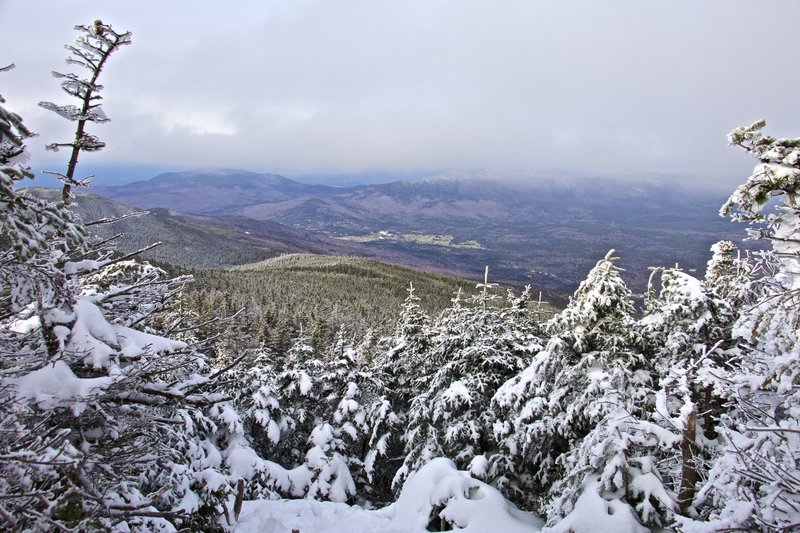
(304, 86)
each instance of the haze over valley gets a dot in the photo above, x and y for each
(528, 230)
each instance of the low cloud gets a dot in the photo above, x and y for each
(612, 87)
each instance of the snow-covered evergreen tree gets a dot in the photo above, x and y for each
(333, 457)
(728, 275)
(599, 405)
(106, 423)
(475, 350)
(688, 336)
(541, 418)
(91, 51)
(383, 445)
(298, 388)
(335, 423)
(753, 485)
(263, 424)
(33, 462)
(573, 416)
(117, 412)
(402, 356)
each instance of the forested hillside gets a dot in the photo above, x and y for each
(124, 406)
(321, 296)
(190, 241)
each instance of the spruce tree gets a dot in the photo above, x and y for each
(91, 51)
(401, 357)
(687, 332)
(571, 417)
(753, 484)
(475, 350)
(106, 422)
(599, 402)
(729, 274)
(299, 393)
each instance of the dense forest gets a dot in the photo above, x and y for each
(322, 296)
(123, 406)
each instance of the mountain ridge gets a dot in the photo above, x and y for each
(546, 232)
(202, 241)
(201, 192)
(194, 240)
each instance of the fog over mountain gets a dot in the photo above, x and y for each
(319, 88)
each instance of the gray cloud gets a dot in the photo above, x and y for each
(598, 87)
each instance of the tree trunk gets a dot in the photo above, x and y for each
(688, 467)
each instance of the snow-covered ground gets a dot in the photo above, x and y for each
(438, 489)
(437, 492)
(309, 516)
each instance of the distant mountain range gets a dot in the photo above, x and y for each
(211, 192)
(545, 232)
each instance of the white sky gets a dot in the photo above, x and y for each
(303, 86)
